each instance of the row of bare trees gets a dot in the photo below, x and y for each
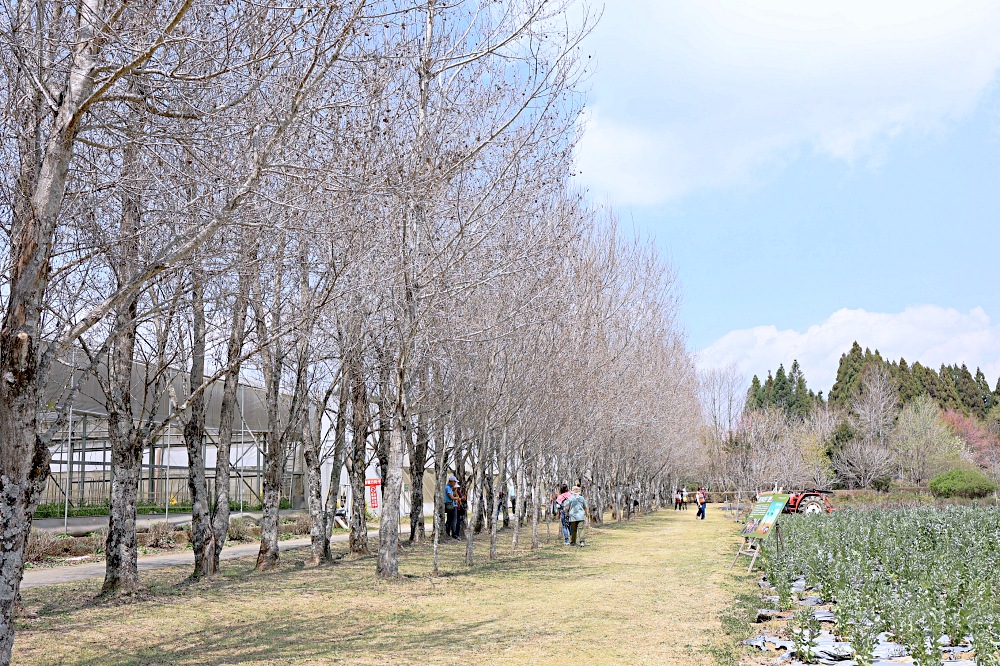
(363, 208)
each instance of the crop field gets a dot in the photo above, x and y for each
(928, 577)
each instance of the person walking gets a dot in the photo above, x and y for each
(564, 495)
(576, 510)
(702, 498)
(451, 508)
(678, 499)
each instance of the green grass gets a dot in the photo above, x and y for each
(654, 591)
(142, 508)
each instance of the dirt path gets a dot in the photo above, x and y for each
(649, 592)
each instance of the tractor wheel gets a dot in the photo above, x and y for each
(812, 505)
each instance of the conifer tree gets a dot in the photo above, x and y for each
(755, 395)
(848, 376)
(906, 384)
(782, 392)
(968, 391)
(947, 394)
(802, 398)
(985, 394)
(926, 380)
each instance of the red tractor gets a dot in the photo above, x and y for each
(809, 501)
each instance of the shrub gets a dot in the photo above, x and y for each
(239, 528)
(302, 524)
(98, 540)
(161, 535)
(962, 483)
(39, 542)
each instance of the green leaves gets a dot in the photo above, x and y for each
(962, 483)
(927, 576)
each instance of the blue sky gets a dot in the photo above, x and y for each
(816, 172)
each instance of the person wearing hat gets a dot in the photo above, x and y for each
(576, 512)
(451, 508)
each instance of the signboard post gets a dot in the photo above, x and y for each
(762, 521)
(373, 486)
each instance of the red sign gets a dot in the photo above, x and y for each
(373, 486)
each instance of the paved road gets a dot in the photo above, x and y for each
(68, 574)
(84, 525)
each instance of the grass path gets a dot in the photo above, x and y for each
(647, 592)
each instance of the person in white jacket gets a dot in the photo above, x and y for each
(576, 513)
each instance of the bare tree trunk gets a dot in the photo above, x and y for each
(312, 450)
(535, 495)
(392, 482)
(268, 555)
(38, 198)
(418, 463)
(518, 502)
(499, 496)
(358, 541)
(505, 500)
(121, 563)
(24, 467)
(440, 477)
(274, 455)
(475, 501)
(320, 541)
(227, 410)
(339, 454)
(202, 535)
(121, 557)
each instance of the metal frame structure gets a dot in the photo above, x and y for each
(80, 471)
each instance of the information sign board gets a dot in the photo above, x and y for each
(764, 515)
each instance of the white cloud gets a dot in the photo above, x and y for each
(690, 95)
(930, 334)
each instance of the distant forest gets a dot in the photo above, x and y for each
(953, 387)
(882, 422)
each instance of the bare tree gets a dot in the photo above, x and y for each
(868, 456)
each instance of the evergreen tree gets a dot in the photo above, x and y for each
(802, 398)
(769, 390)
(875, 358)
(969, 397)
(985, 394)
(848, 376)
(907, 385)
(755, 396)
(927, 380)
(947, 395)
(953, 386)
(782, 394)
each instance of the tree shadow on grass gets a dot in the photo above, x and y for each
(403, 636)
